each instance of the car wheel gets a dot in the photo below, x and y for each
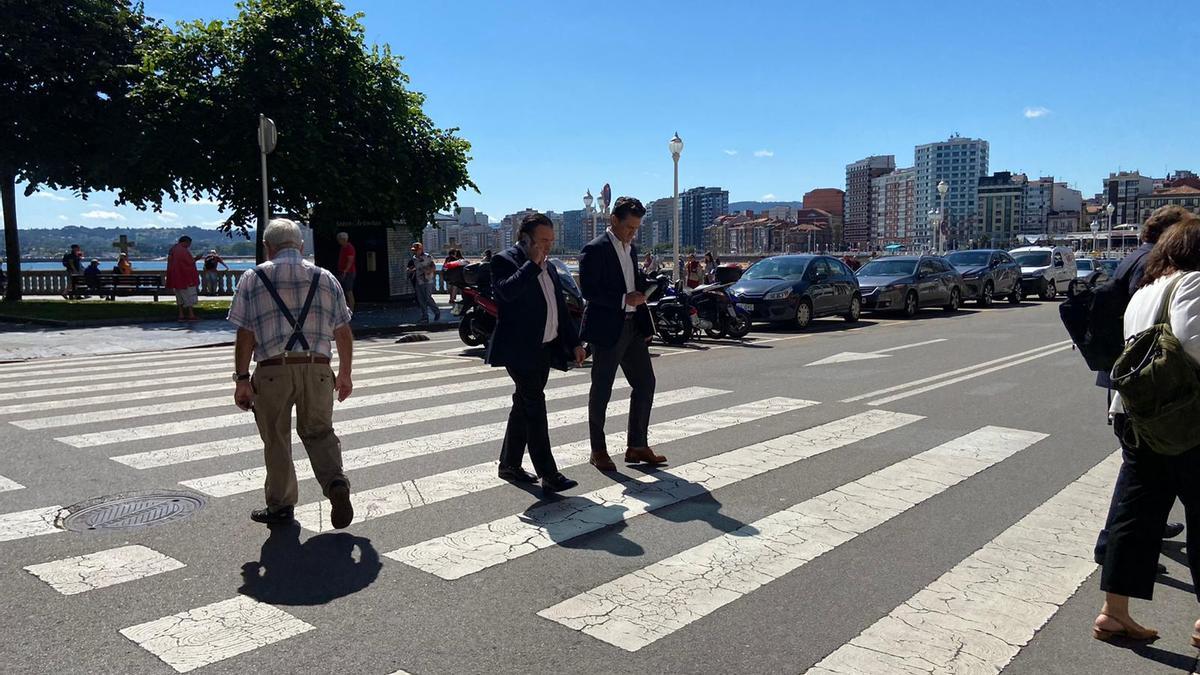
(910, 305)
(986, 296)
(804, 313)
(1016, 296)
(955, 300)
(855, 310)
(1051, 291)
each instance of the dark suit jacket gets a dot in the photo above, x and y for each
(603, 287)
(517, 341)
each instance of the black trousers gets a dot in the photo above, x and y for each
(632, 355)
(1139, 514)
(527, 425)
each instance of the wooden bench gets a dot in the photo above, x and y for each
(110, 285)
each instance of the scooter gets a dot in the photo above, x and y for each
(717, 314)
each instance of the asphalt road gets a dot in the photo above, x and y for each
(892, 496)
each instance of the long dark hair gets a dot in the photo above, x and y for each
(1178, 250)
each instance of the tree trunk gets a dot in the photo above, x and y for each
(12, 243)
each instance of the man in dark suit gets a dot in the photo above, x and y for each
(617, 324)
(534, 332)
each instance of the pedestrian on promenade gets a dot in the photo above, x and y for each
(693, 275)
(534, 333)
(651, 265)
(91, 274)
(124, 266)
(422, 271)
(289, 313)
(211, 274)
(710, 268)
(453, 255)
(347, 269)
(72, 262)
(1128, 278)
(183, 278)
(1154, 479)
(617, 324)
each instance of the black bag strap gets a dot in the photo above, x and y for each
(297, 336)
(1164, 309)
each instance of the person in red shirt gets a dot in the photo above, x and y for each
(347, 268)
(183, 278)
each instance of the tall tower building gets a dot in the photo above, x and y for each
(857, 215)
(960, 162)
(700, 206)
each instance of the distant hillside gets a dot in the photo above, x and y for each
(735, 207)
(151, 242)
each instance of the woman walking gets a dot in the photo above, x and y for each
(452, 255)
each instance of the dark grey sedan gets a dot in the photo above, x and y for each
(908, 283)
(988, 274)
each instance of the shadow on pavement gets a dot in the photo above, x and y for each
(324, 568)
(1183, 662)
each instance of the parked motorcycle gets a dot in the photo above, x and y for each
(479, 310)
(669, 311)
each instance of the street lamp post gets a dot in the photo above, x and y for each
(1095, 231)
(1110, 209)
(942, 187)
(587, 209)
(675, 145)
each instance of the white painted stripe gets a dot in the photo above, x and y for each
(954, 380)
(343, 426)
(212, 633)
(980, 614)
(477, 548)
(34, 365)
(234, 446)
(104, 378)
(134, 385)
(647, 605)
(31, 523)
(410, 494)
(8, 484)
(951, 373)
(83, 573)
(908, 346)
(248, 480)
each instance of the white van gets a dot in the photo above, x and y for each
(1045, 270)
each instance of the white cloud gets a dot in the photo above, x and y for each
(764, 153)
(168, 215)
(103, 215)
(769, 197)
(731, 153)
(49, 195)
(63, 218)
(1034, 113)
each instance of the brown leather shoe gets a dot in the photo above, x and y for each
(602, 461)
(646, 455)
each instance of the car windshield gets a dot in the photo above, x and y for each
(777, 268)
(1083, 264)
(1033, 259)
(969, 258)
(888, 268)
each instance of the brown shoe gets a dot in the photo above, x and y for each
(646, 455)
(602, 461)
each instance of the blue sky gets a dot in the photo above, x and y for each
(771, 98)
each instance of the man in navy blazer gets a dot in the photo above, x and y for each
(534, 332)
(617, 324)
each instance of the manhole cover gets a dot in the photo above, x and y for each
(130, 510)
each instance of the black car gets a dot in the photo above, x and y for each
(908, 283)
(798, 288)
(988, 274)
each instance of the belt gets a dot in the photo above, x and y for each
(284, 360)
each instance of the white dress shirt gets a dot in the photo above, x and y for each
(547, 284)
(625, 256)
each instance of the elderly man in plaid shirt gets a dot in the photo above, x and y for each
(288, 313)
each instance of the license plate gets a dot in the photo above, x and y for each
(746, 306)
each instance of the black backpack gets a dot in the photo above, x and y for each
(1094, 316)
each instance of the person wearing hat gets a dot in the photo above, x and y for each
(183, 278)
(421, 272)
(211, 278)
(124, 267)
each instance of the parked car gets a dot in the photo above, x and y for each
(908, 283)
(798, 288)
(1109, 266)
(1045, 270)
(987, 274)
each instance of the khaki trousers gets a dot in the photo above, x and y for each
(309, 388)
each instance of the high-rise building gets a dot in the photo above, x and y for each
(512, 223)
(571, 237)
(699, 207)
(659, 218)
(893, 208)
(1038, 202)
(1001, 209)
(1122, 190)
(960, 162)
(856, 204)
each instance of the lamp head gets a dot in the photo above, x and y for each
(675, 145)
(943, 187)
(587, 200)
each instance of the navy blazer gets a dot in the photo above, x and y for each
(517, 340)
(603, 287)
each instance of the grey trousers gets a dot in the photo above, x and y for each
(425, 301)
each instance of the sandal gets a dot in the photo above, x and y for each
(1127, 633)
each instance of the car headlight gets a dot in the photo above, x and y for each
(778, 295)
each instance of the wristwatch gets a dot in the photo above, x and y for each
(241, 377)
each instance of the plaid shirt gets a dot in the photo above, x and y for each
(255, 310)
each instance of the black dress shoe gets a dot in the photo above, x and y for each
(268, 517)
(341, 512)
(1172, 530)
(557, 483)
(515, 474)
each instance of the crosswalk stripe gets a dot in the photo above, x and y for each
(212, 633)
(980, 614)
(7, 484)
(121, 364)
(477, 548)
(128, 358)
(100, 378)
(344, 426)
(79, 574)
(651, 603)
(175, 381)
(391, 499)
(247, 480)
(31, 523)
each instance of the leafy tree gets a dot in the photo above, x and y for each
(354, 143)
(66, 70)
